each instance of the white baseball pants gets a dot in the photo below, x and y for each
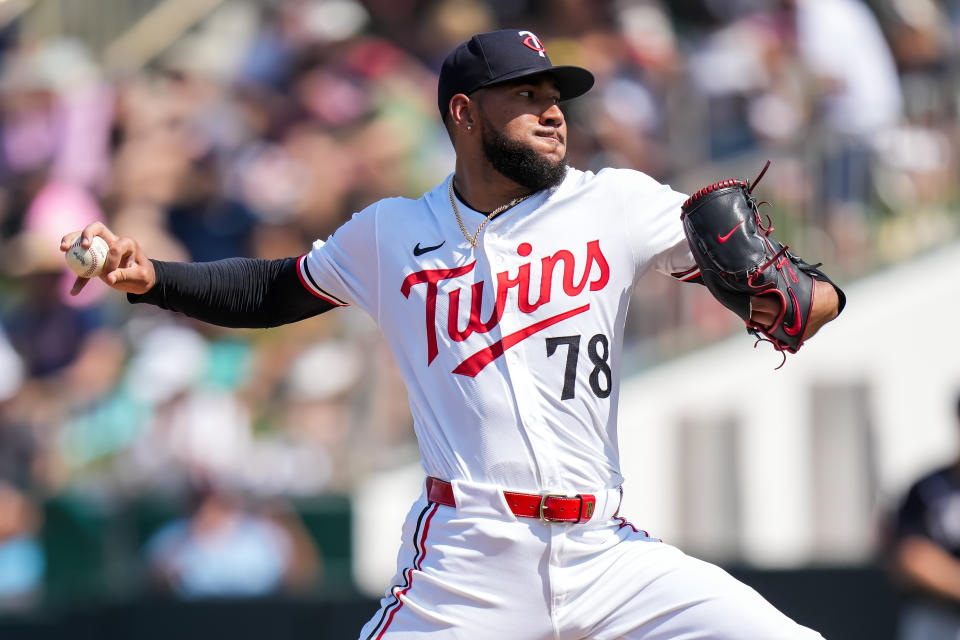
(477, 571)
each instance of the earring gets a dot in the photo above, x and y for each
(469, 127)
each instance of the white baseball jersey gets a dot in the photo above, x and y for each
(511, 356)
(510, 351)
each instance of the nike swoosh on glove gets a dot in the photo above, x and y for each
(739, 259)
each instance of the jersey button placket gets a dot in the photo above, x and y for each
(529, 353)
(499, 253)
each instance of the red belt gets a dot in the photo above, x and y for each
(548, 507)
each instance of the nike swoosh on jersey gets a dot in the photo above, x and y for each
(419, 251)
(723, 239)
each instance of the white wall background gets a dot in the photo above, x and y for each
(896, 336)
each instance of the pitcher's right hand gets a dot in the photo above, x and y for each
(126, 267)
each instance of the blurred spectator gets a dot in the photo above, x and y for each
(317, 415)
(11, 368)
(843, 47)
(195, 424)
(19, 448)
(21, 557)
(57, 113)
(926, 554)
(857, 97)
(727, 67)
(225, 549)
(46, 332)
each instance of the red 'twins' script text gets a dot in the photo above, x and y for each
(571, 287)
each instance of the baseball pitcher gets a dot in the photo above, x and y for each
(502, 293)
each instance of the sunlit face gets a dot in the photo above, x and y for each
(524, 132)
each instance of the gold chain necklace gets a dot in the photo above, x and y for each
(463, 228)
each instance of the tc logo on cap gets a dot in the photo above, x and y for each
(533, 42)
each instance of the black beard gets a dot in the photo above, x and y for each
(520, 163)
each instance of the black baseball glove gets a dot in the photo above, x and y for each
(738, 260)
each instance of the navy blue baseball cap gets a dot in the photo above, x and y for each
(491, 58)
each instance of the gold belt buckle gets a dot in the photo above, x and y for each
(543, 505)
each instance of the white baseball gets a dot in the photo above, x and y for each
(87, 263)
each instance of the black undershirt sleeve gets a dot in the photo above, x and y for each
(236, 292)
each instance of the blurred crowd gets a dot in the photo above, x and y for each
(267, 124)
